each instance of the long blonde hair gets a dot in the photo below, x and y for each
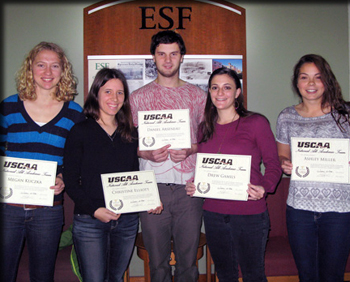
(66, 87)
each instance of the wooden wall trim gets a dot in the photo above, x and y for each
(125, 28)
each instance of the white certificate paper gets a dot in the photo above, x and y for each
(320, 159)
(160, 128)
(134, 191)
(222, 176)
(27, 181)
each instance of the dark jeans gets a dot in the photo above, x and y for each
(237, 240)
(41, 229)
(181, 220)
(104, 250)
(320, 244)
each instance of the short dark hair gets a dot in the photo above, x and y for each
(92, 108)
(167, 37)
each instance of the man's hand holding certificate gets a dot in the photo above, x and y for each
(27, 181)
(320, 159)
(222, 176)
(134, 191)
(159, 128)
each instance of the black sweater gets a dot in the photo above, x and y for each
(90, 152)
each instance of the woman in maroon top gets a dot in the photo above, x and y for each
(237, 231)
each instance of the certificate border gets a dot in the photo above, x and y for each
(46, 163)
(306, 172)
(150, 173)
(199, 155)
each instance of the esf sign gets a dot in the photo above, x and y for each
(99, 66)
(171, 17)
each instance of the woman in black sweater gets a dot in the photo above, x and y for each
(106, 142)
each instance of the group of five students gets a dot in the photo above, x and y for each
(42, 122)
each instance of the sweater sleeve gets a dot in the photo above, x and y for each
(268, 148)
(73, 155)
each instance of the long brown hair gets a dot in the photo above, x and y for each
(332, 95)
(92, 108)
(207, 127)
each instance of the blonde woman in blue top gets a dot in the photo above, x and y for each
(34, 124)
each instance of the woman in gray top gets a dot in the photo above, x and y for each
(318, 213)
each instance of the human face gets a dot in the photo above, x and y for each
(168, 58)
(310, 84)
(110, 98)
(47, 70)
(223, 92)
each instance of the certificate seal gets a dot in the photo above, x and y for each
(203, 187)
(302, 171)
(6, 193)
(116, 205)
(148, 141)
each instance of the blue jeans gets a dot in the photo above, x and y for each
(41, 229)
(181, 221)
(104, 250)
(237, 240)
(320, 243)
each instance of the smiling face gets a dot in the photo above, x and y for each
(110, 98)
(223, 92)
(310, 84)
(168, 58)
(47, 70)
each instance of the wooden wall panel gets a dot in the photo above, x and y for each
(125, 27)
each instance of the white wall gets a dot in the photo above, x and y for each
(278, 34)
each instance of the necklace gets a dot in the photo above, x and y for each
(227, 129)
(111, 137)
